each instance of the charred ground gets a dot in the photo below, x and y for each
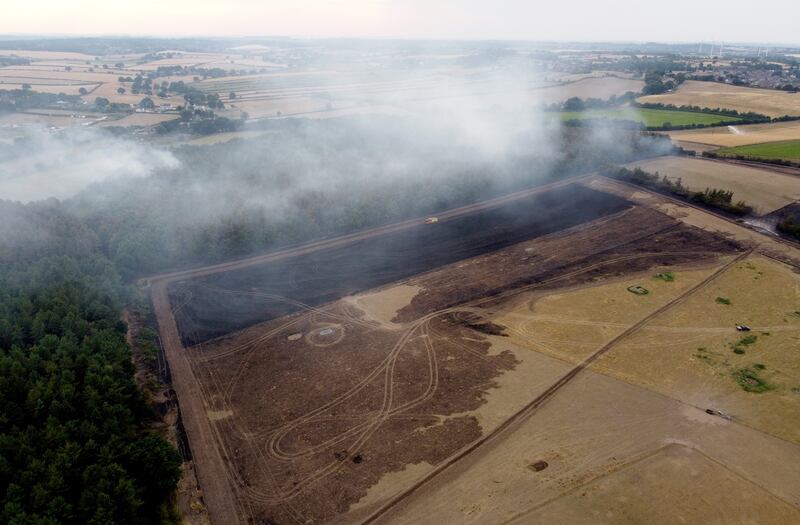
(212, 306)
(313, 407)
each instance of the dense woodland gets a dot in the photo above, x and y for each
(74, 444)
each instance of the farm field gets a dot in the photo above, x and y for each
(712, 95)
(206, 313)
(733, 136)
(693, 353)
(346, 93)
(789, 150)
(763, 189)
(649, 117)
(139, 119)
(594, 87)
(11, 120)
(470, 344)
(615, 453)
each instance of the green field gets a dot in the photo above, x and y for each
(786, 150)
(652, 118)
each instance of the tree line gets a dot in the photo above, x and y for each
(719, 199)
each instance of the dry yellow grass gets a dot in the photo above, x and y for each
(715, 95)
(183, 59)
(740, 135)
(59, 121)
(52, 88)
(65, 77)
(765, 190)
(572, 324)
(46, 55)
(635, 494)
(651, 456)
(594, 87)
(139, 119)
(687, 353)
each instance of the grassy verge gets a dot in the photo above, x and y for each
(785, 150)
(652, 118)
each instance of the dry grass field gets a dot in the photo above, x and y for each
(712, 95)
(10, 120)
(694, 353)
(571, 324)
(567, 366)
(594, 87)
(740, 135)
(763, 189)
(616, 453)
(47, 55)
(138, 119)
(318, 95)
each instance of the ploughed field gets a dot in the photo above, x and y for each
(212, 306)
(337, 381)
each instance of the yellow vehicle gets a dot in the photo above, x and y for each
(431, 220)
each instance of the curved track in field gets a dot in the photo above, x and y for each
(218, 481)
(227, 495)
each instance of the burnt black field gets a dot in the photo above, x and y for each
(212, 306)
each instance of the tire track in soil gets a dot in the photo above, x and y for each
(219, 494)
(215, 478)
(375, 420)
(542, 398)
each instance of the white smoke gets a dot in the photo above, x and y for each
(43, 164)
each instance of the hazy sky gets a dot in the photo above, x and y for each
(675, 20)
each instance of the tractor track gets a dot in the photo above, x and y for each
(214, 476)
(219, 480)
(542, 398)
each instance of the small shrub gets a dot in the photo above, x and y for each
(737, 350)
(748, 340)
(723, 300)
(759, 366)
(750, 382)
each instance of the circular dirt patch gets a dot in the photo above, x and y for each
(325, 335)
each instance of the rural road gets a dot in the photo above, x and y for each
(219, 490)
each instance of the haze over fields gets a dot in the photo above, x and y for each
(578, 20)
(384, 262)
